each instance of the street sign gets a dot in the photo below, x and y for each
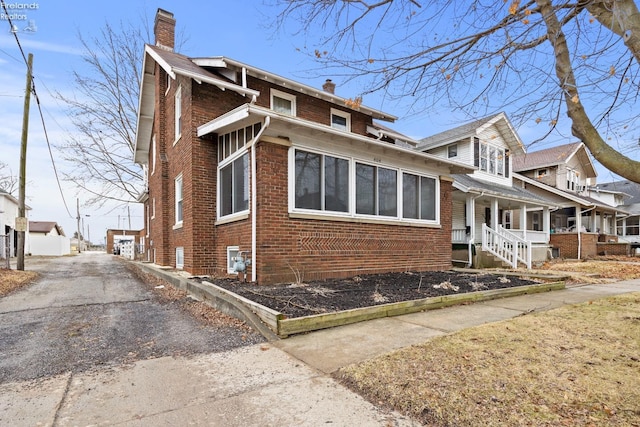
(21, 223)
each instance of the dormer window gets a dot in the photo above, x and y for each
(491, 159)
(340, 120)
(283, 103)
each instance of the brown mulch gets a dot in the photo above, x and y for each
(331, 295)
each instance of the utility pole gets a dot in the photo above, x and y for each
(21, 221)
(78, 219)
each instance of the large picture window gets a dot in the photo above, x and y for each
(349, 188)
(322, 182)
(234, 186)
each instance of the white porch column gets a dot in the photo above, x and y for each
(523, 219)
(594, 223)
(624, 226)
(470, 206)
(494, 214)
(546, 222)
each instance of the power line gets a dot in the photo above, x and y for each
(37, 98)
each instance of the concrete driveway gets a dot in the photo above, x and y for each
(88, 344)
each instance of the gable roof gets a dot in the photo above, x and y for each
(471, 129)
(198, 69)
(555, 156)
(629, 188)
(44, 227)
(586, 201)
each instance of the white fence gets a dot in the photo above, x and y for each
(49, 245)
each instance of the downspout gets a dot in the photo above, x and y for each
(254, 198)
(580, 232)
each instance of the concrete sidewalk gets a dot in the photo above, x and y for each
(330, 349)
(283, 383)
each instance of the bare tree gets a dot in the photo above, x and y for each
(8, 181)
(103, 112)
(542, 59)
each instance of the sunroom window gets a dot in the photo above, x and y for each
(419, 197)
(376, 190)
(234, 186)
(322, 182)
(346, 187)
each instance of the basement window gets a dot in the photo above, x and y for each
(179, 258)
(232, 253)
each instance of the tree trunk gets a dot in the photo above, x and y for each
(581, 127)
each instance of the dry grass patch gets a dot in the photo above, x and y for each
(597, 271)
(10, 280)
(577, 366)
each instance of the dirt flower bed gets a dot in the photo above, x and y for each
(11, 280)
(317, 297)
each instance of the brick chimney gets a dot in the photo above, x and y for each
(164, 29)
(329, 86)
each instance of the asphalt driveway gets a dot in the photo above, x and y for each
(90, 310)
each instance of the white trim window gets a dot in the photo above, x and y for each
(376, 190)
(233, 253)
(492, 159)
(153, 154)
(178, 199)
(452, 151)
(419, 197)
(346, 187)
(573, 180)
(179, 258)
(283, 103)
(233, 184)
(321, 182)
(340, 120)
(178, 113)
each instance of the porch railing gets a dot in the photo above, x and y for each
(532, 235)
(459, 235)
(507, 246)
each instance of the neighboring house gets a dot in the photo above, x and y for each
(491, 213)
(8, 235)
(47, 238)
(128, 243)
(296, 180)
(626, 195)
(582, 225)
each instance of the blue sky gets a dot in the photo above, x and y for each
(238, 29)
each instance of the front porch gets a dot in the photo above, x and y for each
(590, 233)
(489, 230)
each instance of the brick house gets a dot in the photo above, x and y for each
(304, 184)
(583, 224)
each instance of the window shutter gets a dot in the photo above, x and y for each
(476, 152)
(506, 163)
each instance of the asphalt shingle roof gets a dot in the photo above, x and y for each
(542, 158)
